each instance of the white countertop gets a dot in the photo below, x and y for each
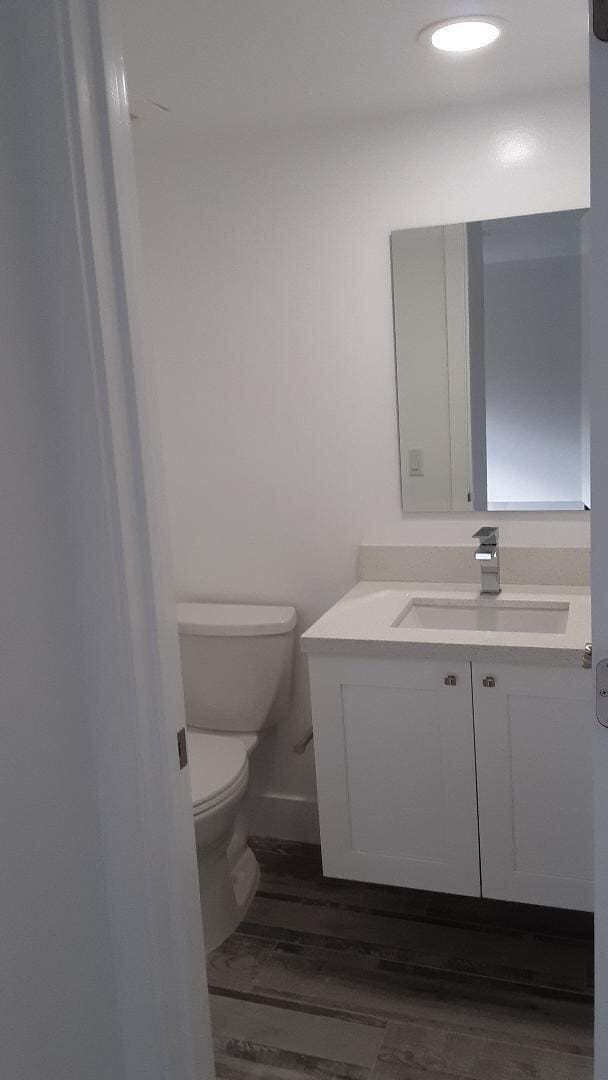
(362, 623)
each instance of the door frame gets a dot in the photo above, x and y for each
(598, 388)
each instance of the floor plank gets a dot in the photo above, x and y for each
(519, 959)
(372, 988)
(352, 1041)
(416, 1052)
(237, 962)
(237, 1058)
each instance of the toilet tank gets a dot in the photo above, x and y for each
(236, 664)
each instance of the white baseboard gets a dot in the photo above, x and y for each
(284, 817)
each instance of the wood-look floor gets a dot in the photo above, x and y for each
(332, 979)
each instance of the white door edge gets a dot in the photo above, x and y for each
(598, 387)
(147, 824)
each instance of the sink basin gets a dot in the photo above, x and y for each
(528, 617)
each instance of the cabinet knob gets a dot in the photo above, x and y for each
(489, 682)
(450, 680)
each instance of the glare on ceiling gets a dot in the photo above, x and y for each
(514, 147)
(463, 34)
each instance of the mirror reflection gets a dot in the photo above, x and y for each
(490, 356)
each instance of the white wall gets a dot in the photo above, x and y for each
(270, 306)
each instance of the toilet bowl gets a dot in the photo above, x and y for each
(219, 772)
(236, 668)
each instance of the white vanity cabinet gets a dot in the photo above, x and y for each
(429, 779)
(533, 737)
(395, 760)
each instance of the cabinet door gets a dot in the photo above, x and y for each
(533, 734)
(395, 763)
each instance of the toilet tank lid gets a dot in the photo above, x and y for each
(234, 620)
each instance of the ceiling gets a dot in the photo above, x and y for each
(236, 65)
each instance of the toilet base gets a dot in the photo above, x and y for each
(227, 888)
(245, 878)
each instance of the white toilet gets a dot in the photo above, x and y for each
(236, 667)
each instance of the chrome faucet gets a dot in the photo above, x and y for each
(487, 555)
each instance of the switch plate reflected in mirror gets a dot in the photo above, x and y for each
(491, 360)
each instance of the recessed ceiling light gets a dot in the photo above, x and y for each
(463, 34)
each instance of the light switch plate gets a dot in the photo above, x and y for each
(415, 462)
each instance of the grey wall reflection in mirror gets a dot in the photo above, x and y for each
(490, 341)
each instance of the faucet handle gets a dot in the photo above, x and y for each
(488, 534)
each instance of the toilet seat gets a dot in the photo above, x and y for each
(249, 739)
(218, 768)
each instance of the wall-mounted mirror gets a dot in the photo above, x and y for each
(490, 355)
